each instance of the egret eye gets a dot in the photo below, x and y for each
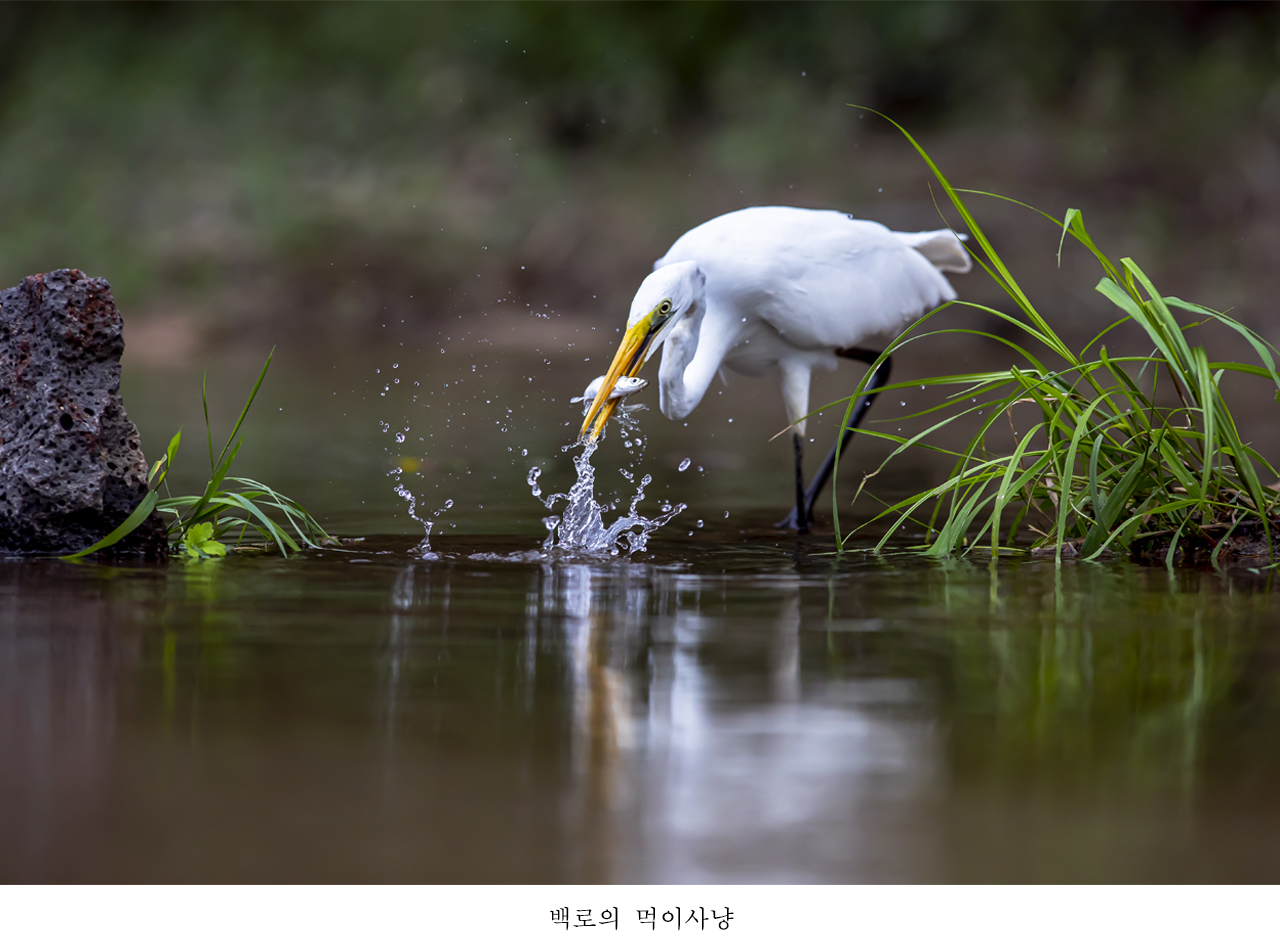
(664, 308)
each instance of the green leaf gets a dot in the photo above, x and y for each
(208, 429)
(136, 517)
(1070, 216)
(198, 541)
(1096, 540)
(1117, 295)
(248, 403)
(166, 460)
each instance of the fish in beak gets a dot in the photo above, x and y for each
(633, 353)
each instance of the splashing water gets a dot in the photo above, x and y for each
(422, 549)
(581, 528)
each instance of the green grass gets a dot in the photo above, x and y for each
(1101, 464)
(202, 525)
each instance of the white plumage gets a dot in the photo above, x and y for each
(784, 287)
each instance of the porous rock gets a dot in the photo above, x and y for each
(71, 462)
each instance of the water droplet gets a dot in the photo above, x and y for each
(685, 464)
(399, 436)
(699, 522)
(726, 514)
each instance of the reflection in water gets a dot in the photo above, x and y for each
(739, 714)
(785, 787)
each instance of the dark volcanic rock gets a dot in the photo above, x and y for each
(71, 466)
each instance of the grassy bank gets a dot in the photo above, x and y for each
(1133, 452)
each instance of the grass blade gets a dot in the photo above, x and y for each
(136, 517)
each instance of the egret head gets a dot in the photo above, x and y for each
(665, 297)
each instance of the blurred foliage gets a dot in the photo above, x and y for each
(274, 162)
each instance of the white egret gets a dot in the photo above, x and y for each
(788, 287)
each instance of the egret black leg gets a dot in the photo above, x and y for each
(797, 521)
(805, 504)
(800, 512)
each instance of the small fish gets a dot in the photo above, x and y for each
(625, 386)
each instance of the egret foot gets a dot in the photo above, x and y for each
(798, 520)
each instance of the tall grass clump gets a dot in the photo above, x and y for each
(1107, 467)
(229, 509)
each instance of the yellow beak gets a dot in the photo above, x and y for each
(626, 362)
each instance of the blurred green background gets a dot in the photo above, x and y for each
(248, 164)
(347, 179)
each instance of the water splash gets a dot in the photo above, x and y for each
(422, 550)
(580, 528)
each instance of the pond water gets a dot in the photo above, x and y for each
(731, 704)
(740, 706)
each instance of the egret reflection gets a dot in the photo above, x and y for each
(674, 777)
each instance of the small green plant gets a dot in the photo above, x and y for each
(199, 522)
(1104, 466)
(199, 542)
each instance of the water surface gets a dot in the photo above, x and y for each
(736, 706)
